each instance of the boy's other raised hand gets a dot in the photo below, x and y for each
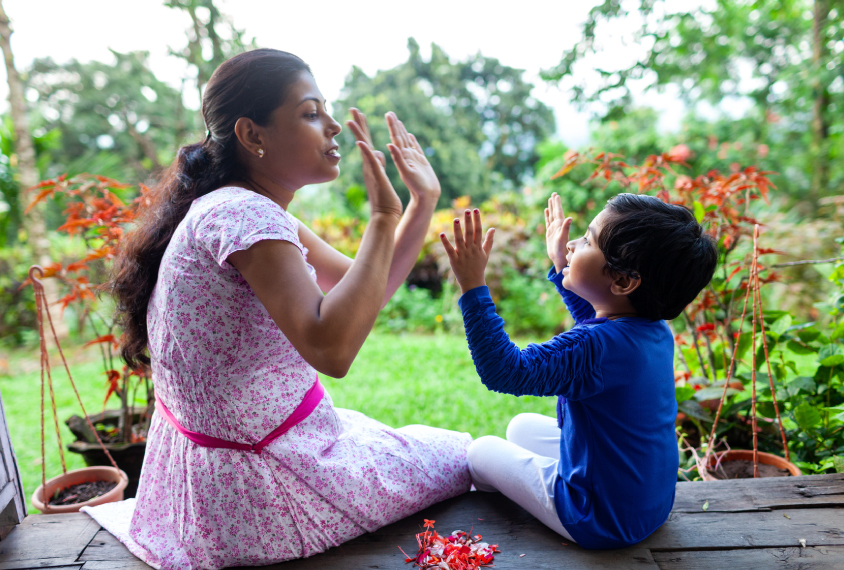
(470, 253)
(556, 232)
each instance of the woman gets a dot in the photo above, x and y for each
(240, 305)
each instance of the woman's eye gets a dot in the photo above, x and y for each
(312, 116)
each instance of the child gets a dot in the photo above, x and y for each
(603, 474)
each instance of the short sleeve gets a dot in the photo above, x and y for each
(238, 223)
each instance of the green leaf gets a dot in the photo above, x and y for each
(801, 383)
(806, 416)
(837, 333)
(705, 506)
(743, 344)
(809, 334)
(780, 325)
(800, 348)
(692, 409)
(699, 211)
(713, 393)
(683, 393)
(839, 409)
(831, 355)
(838, 463)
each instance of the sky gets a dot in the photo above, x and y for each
(331, 36)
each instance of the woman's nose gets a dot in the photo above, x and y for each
(334, 127)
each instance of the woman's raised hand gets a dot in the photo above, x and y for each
(382, 195)
(415, 170)
(556, 232)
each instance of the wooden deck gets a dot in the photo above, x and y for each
(783, 523)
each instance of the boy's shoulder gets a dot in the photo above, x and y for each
(628, 330)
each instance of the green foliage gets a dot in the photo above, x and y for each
(783, 57)
(106, 110)
(476, 120)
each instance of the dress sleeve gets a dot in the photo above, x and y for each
(239, 223)
(567, 365)
(579, 308)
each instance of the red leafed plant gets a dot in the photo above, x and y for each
(458, 551)
(95, 214)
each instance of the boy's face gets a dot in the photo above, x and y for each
(584, 272)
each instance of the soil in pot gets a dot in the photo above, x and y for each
(743, 469)
(81, 492)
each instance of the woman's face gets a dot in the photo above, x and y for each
(300, 146)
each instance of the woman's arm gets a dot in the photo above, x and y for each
(328, 330)
(417, 173)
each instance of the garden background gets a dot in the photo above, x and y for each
(759, 140)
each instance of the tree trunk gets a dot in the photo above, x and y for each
(28, 176)
(820, 122)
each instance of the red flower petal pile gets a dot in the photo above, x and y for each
(460, 551)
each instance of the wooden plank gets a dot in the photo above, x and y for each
(794, 558)
(514, 530)
(52, 539)
(120, 565)
(11, 473)
(762, 529)
(40, 563)
(738, 495)
(104, 547)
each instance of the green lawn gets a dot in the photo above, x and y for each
(396, 379)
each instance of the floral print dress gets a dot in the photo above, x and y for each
(224, 369)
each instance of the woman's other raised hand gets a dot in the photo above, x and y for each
(557, 227)
(415, 170)
(382, 195)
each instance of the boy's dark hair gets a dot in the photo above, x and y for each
(664, 246)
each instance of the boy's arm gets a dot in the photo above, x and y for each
(566, 365)
(579, 308)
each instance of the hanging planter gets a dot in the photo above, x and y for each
(72, 490)
(739, 464)
(725, 464)
(68, 492)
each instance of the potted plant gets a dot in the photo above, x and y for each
(72, 490)
(95, 214)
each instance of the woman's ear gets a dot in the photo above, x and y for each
(624, 284)
(251, 136)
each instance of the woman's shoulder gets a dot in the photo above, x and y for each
(231, 196)
(234, 205)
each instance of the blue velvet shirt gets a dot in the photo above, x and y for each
(616, 410)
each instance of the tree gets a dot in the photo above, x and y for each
(783, 56)
(115, 119)
(476, 119)
(212, 33)
(26, 174)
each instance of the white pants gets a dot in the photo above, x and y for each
(523, 467)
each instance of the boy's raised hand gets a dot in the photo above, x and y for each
(469, 255)
(556, 232)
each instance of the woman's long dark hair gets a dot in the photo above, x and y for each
(253, 85)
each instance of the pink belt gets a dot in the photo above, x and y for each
(311, 400)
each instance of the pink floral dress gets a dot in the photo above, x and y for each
(224, 369)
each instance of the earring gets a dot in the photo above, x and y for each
(260, 153)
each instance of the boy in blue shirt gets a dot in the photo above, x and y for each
(602, 474)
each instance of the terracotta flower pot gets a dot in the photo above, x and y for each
(747, 455)
(75, 477)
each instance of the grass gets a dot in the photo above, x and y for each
(396, 379)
